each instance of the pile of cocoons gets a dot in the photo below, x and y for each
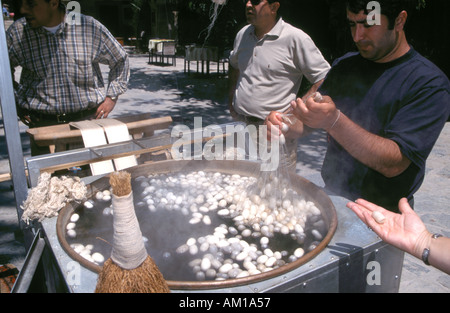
(258, 216)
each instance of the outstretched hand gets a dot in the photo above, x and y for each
(405, 230)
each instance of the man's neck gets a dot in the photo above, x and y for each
(399, 50)
(262, 30)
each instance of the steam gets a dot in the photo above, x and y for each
(216, 7)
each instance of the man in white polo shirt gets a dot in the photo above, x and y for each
(268, 62)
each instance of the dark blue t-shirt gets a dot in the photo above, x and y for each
(407, 101)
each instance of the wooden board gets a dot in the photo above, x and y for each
(58, 136)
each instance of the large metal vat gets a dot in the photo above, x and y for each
(244, 168)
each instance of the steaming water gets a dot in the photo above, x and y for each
(168, 228)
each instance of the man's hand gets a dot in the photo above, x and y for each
(273, 119)
(318, 115)
(105, 108)
(406, 231)
(295, 130)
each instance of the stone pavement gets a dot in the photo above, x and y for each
(167, 90)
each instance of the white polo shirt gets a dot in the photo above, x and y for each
(272, 69)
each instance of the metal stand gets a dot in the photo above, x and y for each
(10, 122)
(39, 261)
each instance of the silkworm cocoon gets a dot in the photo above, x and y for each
(206, 220)
(223, 212)
(316, 234)
(193, 250)
(262, 259)
(99, 195)
(378, 217)
(210, 273)
(71, 233)
(194, 220)
(284, 230)
(98, 257)
(200, 276)
(191, 241)
(270, 262)
(243, 274)
(206, 264)
(242, 256)
(264, 241)
(298, 253)
(225, 268)
(182, 249)
(246, 233)
(75, 217)
(77, 247)
(318, 97)
(282, 139)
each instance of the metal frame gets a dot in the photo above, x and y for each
(83, 156)
(343, 266)
(11, 124)
(40, 259)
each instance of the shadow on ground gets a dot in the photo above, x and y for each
(179, 95)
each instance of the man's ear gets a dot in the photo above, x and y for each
(400, 21)
(55, 3)
(275, 6)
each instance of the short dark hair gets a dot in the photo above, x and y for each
(18, 4)
(61, 5)
(390, 8)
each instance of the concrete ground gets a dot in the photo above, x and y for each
(167, 90)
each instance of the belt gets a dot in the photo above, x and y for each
(37, 117)
(250, 119)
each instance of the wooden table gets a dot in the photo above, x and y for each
(156, 46)
(57, 137)
(201, 54)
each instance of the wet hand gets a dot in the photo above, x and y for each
(274, 122)
(315, 112)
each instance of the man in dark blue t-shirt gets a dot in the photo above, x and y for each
(383, 108)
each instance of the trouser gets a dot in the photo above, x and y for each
(34, 119)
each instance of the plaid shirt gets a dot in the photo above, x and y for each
(61, 72)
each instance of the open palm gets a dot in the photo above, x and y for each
(401, 230)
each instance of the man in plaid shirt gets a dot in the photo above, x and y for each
(61, 80)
